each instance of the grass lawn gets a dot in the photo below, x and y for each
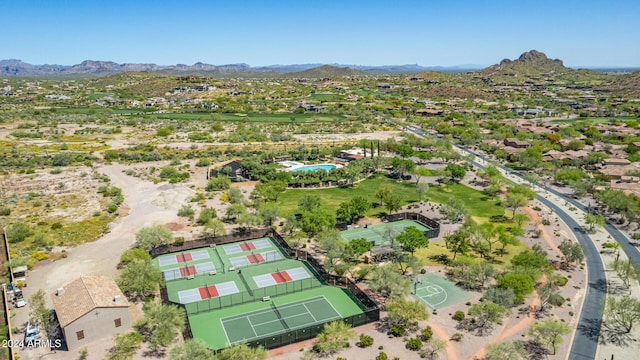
(428, 255)
(331, 198)
(478, 204)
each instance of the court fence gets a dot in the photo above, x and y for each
(225, 301)
(370, 309)
(434, 226)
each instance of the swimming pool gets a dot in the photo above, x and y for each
(325, 167)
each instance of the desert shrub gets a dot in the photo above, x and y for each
(414, 344)
(5, 211)
(133, 254)
(562, 281)
(365, 341)
(382, 356)
(427, 333)
(206, 215)
(457, 337)
(203, 162)
(111, 208)
(458, 315)
(56, 226)
(499, 218)
(18, 232)
(556, 300)
(636, 236)
(178, 240)
(546, 222)
(186, 210)
(398, 331)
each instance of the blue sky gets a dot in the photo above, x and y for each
(426, 32)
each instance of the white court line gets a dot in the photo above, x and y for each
(314, 318)
(252, 327)
(330, 304)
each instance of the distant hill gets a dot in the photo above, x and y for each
(433, 76)
(626, 85)
(134, 84)
(535, 66)
(325, 71)
(102, 68)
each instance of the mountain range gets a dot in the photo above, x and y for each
(14, 67)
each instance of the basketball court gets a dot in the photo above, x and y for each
(437, 292)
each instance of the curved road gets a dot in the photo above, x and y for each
(585, 342)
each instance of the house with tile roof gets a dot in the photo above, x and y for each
(91, 308)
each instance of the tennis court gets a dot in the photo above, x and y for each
(381, 234)
(278, 318)
(437, 292)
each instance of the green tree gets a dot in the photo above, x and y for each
(572, 251)
(484, 315)
(457, 243)
(503, 297)
(594, 221)
(234, 211)
(521, 284)
(352, 210)
(133, 254)
(270, 191)
(242, 352)
(334, 336)
(161, 323)
(626, 271)
(386, 280)
(269, 213)
(514, 201)
(214, 227)
(453, 210)
(191, 349)
(406, 314)
(412, 238)
(623, 312)
(513, 350)
(549, 332)
(419, 173)
(313, 222)
(206, 215)
(124, 346)
(218, 183)
(153, 236)
(457, 172)
(308, 203)
(140, 279)
(18, 232)
(360, 246)
(422, 189)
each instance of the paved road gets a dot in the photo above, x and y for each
(585, 342)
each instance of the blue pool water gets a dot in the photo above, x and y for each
(325, 167)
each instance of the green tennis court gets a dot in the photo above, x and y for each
(278, 318)
(437, 292)
(381, 234)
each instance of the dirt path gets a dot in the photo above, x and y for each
(516, 328)
(450, 347)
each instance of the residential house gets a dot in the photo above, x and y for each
(313, 107)
(91, 308)
(232, 168)
(515, 143)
